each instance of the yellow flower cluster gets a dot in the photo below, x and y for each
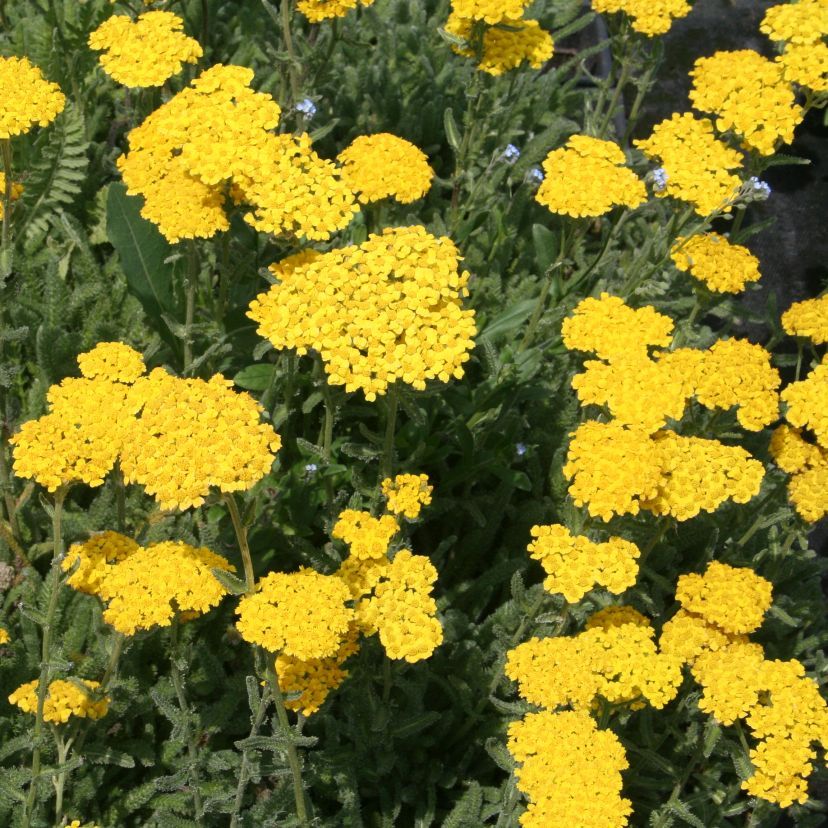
(587, 177)
(804, 21)
(617, 662)
(807, 402)
(490, 11)
(749, 96)
(93, 559)
(302, 614)
(406, 494)
(808, 319)
(367, 537)
(318, 10)
(153, 583)
(64, 699)
(806, 64)
(76, 823)
(313, 679)
(649, 17)
(687, 636)
(193, 435)
(570, 771)
(146, 51)
(735, 599)
(712, 259)
(616, 616)
(28, 98)
(16, 192)
(574, 564)
(697, 165)
(4, 636)
(384, 311)
(808, 465)
(112, 361)
(385, 166)
(506, 45)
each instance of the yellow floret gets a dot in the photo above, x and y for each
(712, 259)
(28, 98)
(64, 699)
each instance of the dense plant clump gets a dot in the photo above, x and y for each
(391, 431)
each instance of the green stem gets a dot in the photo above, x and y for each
(386, 679)
(244, 771)
(6, 150)
(800, 348)
(6, 485)
(641, 94)
(190, 288)
(616, 95)
(292, 60)
(189, 736)
(63, 747)
(287, 734)
(241, 536)
(44, 680)
(387, 463)
(120, 496)
(737, 224)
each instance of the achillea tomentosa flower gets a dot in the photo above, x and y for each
(490, 11)
(93, 559)
(16, 192)
(385, 166)
(588, 177)
(722, 266)
(5, 638)
(749, 95)
(146, 51)
(366, 535)
(807, 403)
(406, 494)
(801, 22)
(388, 310)
(698, 167)
(808, 319)
(807, 464)
(806, 64)
(64, 699)
(318, 10)
(28, 99)
(649, 17)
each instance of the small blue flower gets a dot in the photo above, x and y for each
(510, 154)
(520, 448)
(535, 175)
(307, 108)
(761, 189)
(660, 178)
(311, 468)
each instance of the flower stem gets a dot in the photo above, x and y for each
(53, 590)
(287, 734)
(189, 312)
(292, 60)
(387, 463)
(244, 771)
(6, 150)
(241, 537)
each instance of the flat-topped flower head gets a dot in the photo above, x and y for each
(722, 266)
(318, 10)
(387, 310)
(385, 166)
(588, 177)
(804, 21)
(93, 559)
(695, 166)
(808, 319)
(148, 587)
(649, 17)
(807, 402)
(146, 51)
(406, 494)
(733, 598)
(574, 564)
(112, 361)
(489, 11)
(808, 463)
(28, 98)
(301, 614)
(193, 436)
(64, 699)
(749, 95)
(687, 635)
(366, 535)
(806, 64)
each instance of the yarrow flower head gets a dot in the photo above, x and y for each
(801, 22)
(722, 266)
(301, 614)
(5, 638)
(489, 11)
(807, 402)
(91, 561)
(16, 191)
(318, 10)
(112, 361)
(64, 699)
(146, 51)
(366, 535)
(806, 64)
(149, 586)
(28, 98)
(808, 319)
(649, 17)
(388, 310)
(385, 166)
(588, 177)
(406, 494)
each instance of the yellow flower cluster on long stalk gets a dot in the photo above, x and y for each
(722, 266)
(64, 699)
(146, 51)
(781, 706)
(588, 177)
(385, 166)
(802, 27)
(318, 10)
(649, 17)
(406, 494)
(748, 95)
(698, 167)
(384, 311)
(28, 98)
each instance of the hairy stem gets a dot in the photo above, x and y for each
(190, 286)
(387, 463)
(241, 536)
(244, 771)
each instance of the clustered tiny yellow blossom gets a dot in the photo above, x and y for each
(804, 21)
(807, 463)
(5, 638)
(722, 266)
(649, 17)
(698, 167)
(28, 98)
(569, 770)
(112, 361)
(146, 51)
(687, 636)
(806, 64)
(406, 494)
(153, 583)
(384, 311)
(588, 177)
(808, 319)
(302, 614)
(574, 563)
(16, 192)
(367, 536)
(505, 46)
(64, 699)
(617, 616)
(76, 823)
(490, 11)
(385, 166)
(93, 559)
(748, 95)
(313, 679)
(318, 10)
(807, 402)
